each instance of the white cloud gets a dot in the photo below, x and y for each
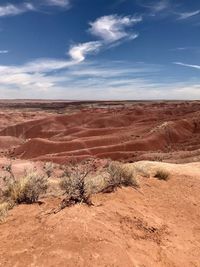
(78, 52)
(59, 79)
(113, 28)
(160, 6)
(38, 75)
(188, 65)
(65, 78)
(47, 76)
(11, 10)
(17, 9)
(180, 48)
(40, 66)
(4, 51)
(187, 15)
(59, 3)
(47, 65)
(156, 6)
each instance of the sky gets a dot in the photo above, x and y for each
(100, 49)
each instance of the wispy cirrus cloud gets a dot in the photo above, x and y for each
(59, 3)
(181, 49)
(161, 5)
(167, 8)
(155, 6)
(17, 9)
(84, 81)
(40, 74)
(12, 10)
(4, 51)
(193, 49)
(187, 15)
(188, 65)
(46, 74)
(36, 79)
(113, 28)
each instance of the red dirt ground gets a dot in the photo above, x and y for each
(157, 225)
(154, 226)
(168, 131)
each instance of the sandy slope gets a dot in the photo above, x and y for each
(166, 131)
(156, 226)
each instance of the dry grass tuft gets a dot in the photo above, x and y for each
(4, 208)
(142, 170)
(162, 175)
(27, 189)
(48, 168)
(120, 175)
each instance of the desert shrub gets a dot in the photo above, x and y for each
(74, 185)
(48, 168)
(26, 190)
(4, 207)
(162, 175)
(96, 183)
(8, 169)
(141, 170)
(78, 184)
(120, 175)
(75, 192)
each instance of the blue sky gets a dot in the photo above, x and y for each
(100, 49)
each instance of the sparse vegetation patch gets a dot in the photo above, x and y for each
(26, 189)
(162, 175)
(74, 185)
(4, 207)
(48, 168)
(78, 184)
(120, 175)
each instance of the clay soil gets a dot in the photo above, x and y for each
(126, 131)
(156, 225)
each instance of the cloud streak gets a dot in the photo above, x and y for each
(157, 6)
(165, 8)
(160, 6)
(59, 3)
(187, 15)
(12, 10)
(188, 65)
(4, 51)
(18, 9)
